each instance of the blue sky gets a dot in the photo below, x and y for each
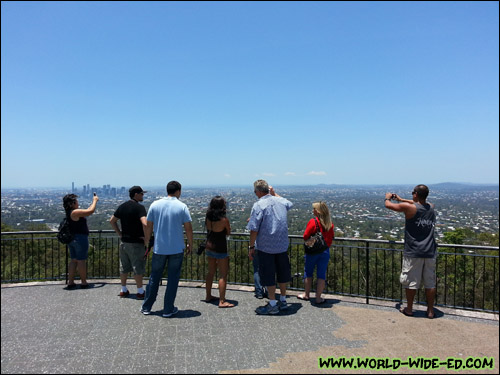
(223, 93)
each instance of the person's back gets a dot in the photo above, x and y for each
(168, 215)
(216, 236)
(275, 213)
(419, 232)
(419, 255)
(130, 214)
(273, 230)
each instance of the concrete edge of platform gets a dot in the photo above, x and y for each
(246, 288)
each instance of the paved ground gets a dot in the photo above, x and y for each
(46, 329)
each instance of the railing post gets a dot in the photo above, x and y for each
(97, 252)
(367, 261)
(32, 256)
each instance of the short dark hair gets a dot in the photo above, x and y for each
(422, 191)
(172, 187)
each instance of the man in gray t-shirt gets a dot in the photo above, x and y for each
(419, 256)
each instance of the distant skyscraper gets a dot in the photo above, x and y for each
(73, 188)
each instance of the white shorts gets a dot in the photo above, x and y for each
(415, 270)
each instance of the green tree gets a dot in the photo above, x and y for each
(456, 237)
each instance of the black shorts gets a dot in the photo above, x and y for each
(272, 266)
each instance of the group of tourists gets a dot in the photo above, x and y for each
(170, 221)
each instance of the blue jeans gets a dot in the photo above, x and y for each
(256, 277)
(174, 266)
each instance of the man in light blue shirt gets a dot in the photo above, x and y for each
(167, 217)
(269, 237)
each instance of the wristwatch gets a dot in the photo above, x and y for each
(251, 247)
(387, 199)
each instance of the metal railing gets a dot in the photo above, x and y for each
(467, 276)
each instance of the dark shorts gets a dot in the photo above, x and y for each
(274, 267)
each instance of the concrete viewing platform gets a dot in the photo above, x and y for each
(47, 329)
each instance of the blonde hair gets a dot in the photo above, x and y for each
(323, 214)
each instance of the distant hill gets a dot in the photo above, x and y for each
(462, 186)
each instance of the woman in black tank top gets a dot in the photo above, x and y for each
(79, 247)
(218, 228)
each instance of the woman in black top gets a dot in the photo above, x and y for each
(218, 228)
(79, 247)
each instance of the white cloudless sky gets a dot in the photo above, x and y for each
(222, 93)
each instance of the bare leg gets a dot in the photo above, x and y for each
(82, 270)
(319, 290)
(123, 278)
(410, 296)
(223, 265)
(138, 280)
(71, 272)
(210, 278)
(430, 294)
(307, 289)
(282, 289)
(271, 292)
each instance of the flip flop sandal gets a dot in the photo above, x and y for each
(302, 297)
(403, 311)
(211, 300)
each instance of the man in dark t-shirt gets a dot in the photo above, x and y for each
(419, 255)
(132, 216)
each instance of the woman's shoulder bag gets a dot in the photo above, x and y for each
(316, 244)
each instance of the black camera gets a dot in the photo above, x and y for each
(201, 248)
(394, 197)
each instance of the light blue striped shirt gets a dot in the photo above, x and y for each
(269, 219)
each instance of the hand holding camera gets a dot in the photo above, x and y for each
(392, 197)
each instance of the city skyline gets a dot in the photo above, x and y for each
(121, 189)
(357, 211)
(224, 93)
